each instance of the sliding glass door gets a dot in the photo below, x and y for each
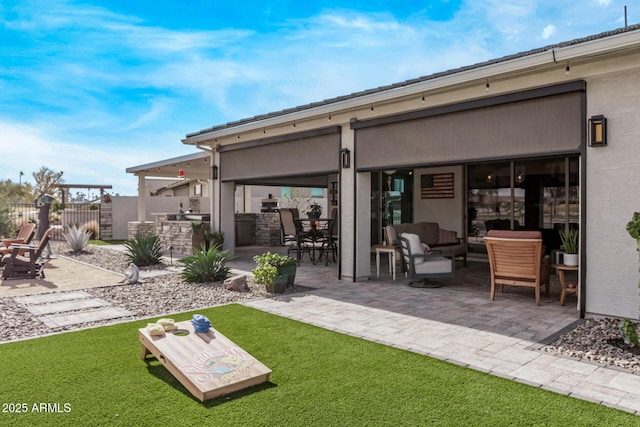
(539, 194)
(391, 200)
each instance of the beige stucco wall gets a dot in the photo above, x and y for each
(613, 173)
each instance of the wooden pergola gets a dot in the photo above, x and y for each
(65, 187)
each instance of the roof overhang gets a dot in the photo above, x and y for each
(195, 165)
(582, 50)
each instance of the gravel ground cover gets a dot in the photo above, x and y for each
(155, 296)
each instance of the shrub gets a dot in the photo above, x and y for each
(93, 227)
(144, 250)
(274, 259)
(77, 238)
(629, 329)
(203, 238)
(264, 273)
(206, 265)
(7, 227)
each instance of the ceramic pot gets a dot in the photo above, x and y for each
(278, 286)
(290, 272)
(570, 259)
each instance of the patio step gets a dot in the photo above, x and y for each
(60, 320)
(54, 297)
(64, 306)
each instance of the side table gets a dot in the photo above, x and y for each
(567, 288)
(391, 251)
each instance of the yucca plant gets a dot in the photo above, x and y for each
(77, 238)
(206, 265)
(144, 250)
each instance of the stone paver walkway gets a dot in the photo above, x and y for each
(501, 337)
(505, 356)
(70, 308)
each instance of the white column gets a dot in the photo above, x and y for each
(347, 206)
(142, 198)
(246, 198)
(363, 229)
(214, 193)
(227, 215)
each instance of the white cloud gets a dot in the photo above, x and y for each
(160, 108)
(548, 31)
(83, 162)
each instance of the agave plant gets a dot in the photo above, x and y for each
(77, 238)
(144, 250)
(206, 265)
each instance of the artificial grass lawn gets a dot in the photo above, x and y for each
(319, 378)
(106, 242)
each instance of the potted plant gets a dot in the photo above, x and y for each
(314, 210)
(267, 275)
(288, 267)
(570, 242)
(274, 271)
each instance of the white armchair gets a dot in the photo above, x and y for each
(419, 265)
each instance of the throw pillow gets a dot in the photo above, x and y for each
(415, 246)
(447, 237)
(426, 249)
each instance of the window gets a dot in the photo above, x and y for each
(317, 193)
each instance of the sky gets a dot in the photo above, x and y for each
(93, 87)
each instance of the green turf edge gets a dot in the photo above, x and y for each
(106, 242)
(319, 378)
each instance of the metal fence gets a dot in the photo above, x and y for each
(80, 215)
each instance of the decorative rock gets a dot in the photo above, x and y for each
(236, 283)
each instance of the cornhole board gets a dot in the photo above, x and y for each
(208, 364)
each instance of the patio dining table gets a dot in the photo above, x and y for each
(314, 231)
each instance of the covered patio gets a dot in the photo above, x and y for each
(462, 301)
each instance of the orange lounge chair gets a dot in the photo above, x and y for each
(24, 237)
(25, 265)
(516, 259)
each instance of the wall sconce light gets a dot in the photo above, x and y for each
(487, 86)
(567, 70)
(214, 172)
(345, 158)
(598, 131)
(520, 177)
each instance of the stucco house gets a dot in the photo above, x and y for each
(538, 140)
